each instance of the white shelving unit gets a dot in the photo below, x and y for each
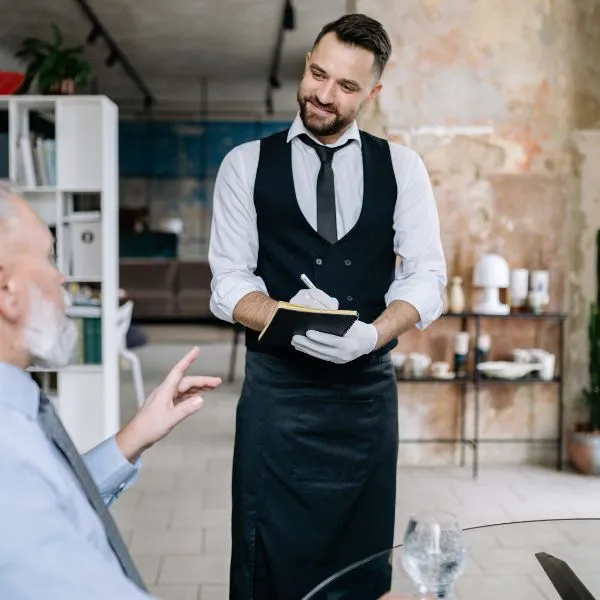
(83, 159)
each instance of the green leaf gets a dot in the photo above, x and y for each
(32, 43)
(57, 35)
(27, 53)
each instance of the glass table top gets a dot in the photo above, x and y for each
(500, 564)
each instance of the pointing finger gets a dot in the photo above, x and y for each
(178, 371)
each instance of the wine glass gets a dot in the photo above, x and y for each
(434, 552)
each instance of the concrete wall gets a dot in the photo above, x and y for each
(490, 93)
(8, 62)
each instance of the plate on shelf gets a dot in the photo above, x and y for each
(507, 369)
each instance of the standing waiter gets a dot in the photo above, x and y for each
(314, 475)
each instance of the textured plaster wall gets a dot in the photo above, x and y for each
(584, 222)
(490, 94)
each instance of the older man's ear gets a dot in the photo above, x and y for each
(9, 307)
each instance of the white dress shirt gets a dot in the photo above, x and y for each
(233, 253)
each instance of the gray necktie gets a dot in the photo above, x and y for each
(326, 219)
(54, 430)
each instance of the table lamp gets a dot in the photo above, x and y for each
(491, 273)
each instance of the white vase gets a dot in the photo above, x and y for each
(456, 296)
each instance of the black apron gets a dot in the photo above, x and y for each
(314, 476)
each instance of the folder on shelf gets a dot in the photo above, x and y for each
(291, 319)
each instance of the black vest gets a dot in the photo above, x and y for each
(358, 269)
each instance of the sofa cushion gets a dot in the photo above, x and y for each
(150, 283)
(193, 288)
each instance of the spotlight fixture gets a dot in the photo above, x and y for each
(274, 82)
(289, 17)
(93, 35)
(111, 59)
(98, 30)
(269, 103)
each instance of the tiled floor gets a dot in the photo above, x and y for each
(176, 517)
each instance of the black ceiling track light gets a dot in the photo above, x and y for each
(93, 35)
(111, 59)
(289, 16)
(115, 53)
(288, 23)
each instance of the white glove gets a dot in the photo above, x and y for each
(314, 298)
(360, 339)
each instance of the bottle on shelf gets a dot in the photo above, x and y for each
(482, 349)
(461, 354)
(518, 290)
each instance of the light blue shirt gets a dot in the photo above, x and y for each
(52, 543)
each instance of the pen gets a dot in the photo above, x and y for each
(308, 282)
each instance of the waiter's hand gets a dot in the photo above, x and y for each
(360, 339)
(315, 298)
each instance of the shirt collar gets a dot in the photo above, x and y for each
(297, 128)
(18, 390)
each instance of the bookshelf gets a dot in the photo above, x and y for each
(68, 172)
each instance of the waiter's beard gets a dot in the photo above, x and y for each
(50, 337)
(323, 126)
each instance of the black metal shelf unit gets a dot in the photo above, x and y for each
(476, 380)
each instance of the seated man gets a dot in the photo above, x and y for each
(57, 539)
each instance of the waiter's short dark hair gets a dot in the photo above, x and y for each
(364, 32)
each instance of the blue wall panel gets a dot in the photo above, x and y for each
(171, 166)
(174, 149)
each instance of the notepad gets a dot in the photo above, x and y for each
(290, 320)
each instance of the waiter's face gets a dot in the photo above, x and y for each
(339, 80)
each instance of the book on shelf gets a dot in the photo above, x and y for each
(37, 161)
(291, 319)
(89, 340)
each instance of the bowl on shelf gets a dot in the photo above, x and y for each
(507, 369)
(398, 361)
(449, 376)
(10, 82)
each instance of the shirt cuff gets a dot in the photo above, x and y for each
(111, 471)
(424, 298)
(222, 305)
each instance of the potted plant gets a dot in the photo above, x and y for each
(58, 69)
(584, 442)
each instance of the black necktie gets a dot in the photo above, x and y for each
(54, 430)
(326, 220)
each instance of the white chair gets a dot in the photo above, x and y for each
(123, 324)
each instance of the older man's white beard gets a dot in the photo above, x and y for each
(50, 336)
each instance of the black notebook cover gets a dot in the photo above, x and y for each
(290, 320)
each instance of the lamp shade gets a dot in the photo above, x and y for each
(492, 271)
